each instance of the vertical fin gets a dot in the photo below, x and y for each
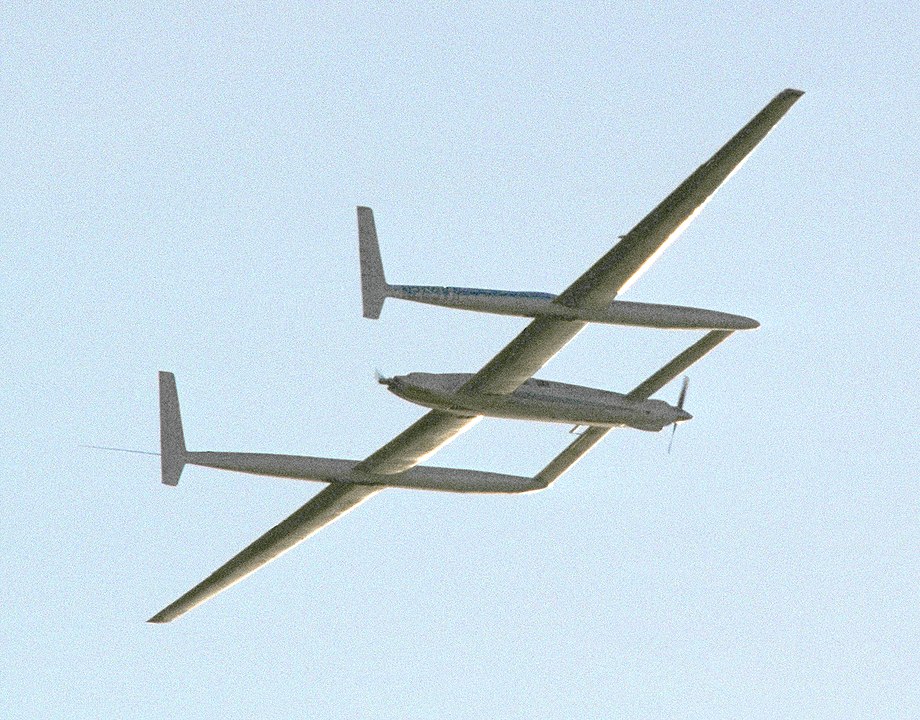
(373, 284)
(172, 440)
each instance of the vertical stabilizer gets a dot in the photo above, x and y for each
(373, 284)
(172, 440)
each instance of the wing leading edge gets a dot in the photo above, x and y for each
(629, 258)
(519, 360)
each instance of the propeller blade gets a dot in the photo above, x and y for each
(680, 406)
(683, 393)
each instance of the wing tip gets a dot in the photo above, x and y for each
(793, 92)
(167, 614)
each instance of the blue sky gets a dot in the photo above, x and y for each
(179, 186)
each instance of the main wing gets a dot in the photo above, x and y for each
(330, 503)
(629, 258)
(517, 362)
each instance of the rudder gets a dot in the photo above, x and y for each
(373, 283)
(172, 439)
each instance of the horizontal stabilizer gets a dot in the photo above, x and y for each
(172, 440)
(373, 284)
(679, 364)
(578, 448)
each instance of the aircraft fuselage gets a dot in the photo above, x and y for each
(540, 400)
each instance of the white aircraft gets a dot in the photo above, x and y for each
(503, 387)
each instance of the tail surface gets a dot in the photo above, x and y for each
(172, 439)
(373, 284)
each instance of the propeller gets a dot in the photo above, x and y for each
(683, 393)
(680, 406)
(381, 379)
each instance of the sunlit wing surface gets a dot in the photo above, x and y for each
(518, 361)
(616, 270)
(418, 442)
(327, 505)
(642, 245)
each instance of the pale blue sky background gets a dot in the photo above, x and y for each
(178, 191)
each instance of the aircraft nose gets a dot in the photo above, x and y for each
(683, 416)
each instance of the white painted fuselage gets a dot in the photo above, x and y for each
(540, 400)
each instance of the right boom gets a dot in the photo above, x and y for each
(375, 289)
